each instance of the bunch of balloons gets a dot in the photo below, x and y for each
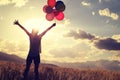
(54, 9)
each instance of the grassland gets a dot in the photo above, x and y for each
(13, 71)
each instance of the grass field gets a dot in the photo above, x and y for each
(13, 71)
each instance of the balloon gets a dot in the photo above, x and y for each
(60, 6)
(54, 10)
(51, 3)
(44, 8)
(48, 9)
(50, 16)
(60, 16)
(56, 13)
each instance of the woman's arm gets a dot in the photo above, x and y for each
(43, 33)
(17, 23)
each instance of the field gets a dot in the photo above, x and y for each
(13, 71)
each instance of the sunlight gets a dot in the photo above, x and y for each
(37, 23)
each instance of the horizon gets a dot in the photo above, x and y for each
(89, 32)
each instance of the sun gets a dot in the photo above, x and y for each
(40, 24)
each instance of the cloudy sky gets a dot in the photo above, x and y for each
(89, 32)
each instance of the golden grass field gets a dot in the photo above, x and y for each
(13, 71)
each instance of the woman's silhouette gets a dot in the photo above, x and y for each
(35, 49)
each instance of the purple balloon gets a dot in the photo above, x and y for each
(48, 9)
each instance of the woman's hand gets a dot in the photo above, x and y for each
(16, 22)
(54, 24)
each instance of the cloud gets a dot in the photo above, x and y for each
(117, 37)
(85, 3)
(108, 44)
(80, 35)
(115, 56)
(18, 3)
(104, 1)
(93, 13)
(100, 1)
(67, 22)
(7, 46)
(1, 17)
(63, 52)
(13, 47)
(106, 12)
(77, 52)
(99, 42)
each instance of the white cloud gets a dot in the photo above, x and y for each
(1, 17)
(116, 37)
(31, 7)
(100, 1)
(115, 55)
(106, 12)
(104, 0)
(13, 47)
(85, 3)
(18, 3)
(93, 13)
(67, 22)
(107, 0)
(107, 21)
(4, 2)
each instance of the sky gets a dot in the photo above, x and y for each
(90, 30)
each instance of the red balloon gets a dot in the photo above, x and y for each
(50, 16)
(52, 3)
(60, 16)
(44, 8)
(56, 13)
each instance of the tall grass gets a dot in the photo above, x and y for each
(13, 71)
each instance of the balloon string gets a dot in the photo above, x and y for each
(55, 20)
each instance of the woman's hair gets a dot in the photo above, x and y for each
(35, 31)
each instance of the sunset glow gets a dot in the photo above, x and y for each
(90, 30)
(40, 24)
